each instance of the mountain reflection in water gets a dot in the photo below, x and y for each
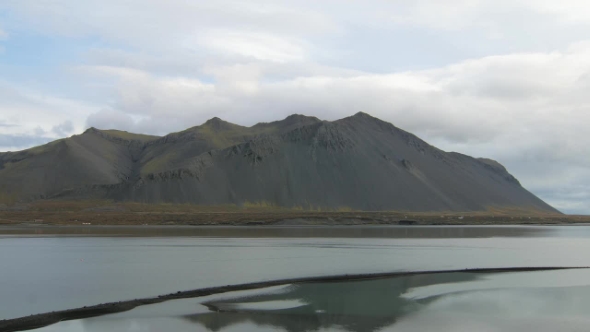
(540, 301)
(360, 306)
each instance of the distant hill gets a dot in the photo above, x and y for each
(358, 162)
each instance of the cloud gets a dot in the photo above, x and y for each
(500, 79)
(39, 131)
(26, 112)
(572, 11)
(140, 93)
(451, 14)
(19, 142)
(110, 119)
(256, 45)
(484, 14)
(161, 23)
(7, 125)
(471, 101)
(63, 129)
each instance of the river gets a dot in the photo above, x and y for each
(54, 268)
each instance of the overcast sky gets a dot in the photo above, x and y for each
(504, 79)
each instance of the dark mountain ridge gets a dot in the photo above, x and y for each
(358, 162)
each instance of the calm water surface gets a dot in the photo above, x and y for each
(44, 271)
(526, 301)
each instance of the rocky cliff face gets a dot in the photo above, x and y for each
(359, 162)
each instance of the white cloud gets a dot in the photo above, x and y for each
(573, 11)
(255, 45)
(238, 78)
(514, 94)
(110, 119)
(168, 101)
(508, 85)
(32, 112)
(63, 129)
(486, 14)
(169, 23)
(450, 14)
(19, 142)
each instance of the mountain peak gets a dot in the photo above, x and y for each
(91, 130)
(295, 118)
(290, 122)
(214, 119)
(364, 117)
(216, 123)
(362, 114)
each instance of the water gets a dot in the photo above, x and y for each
(524, 301)
(45, 269)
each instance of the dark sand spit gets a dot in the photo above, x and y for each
(45, 319)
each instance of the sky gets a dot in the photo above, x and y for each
(502, 79)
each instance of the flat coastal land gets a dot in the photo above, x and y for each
(111, 213)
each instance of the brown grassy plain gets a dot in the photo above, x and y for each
(260, 213)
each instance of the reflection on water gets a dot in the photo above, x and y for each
(353, 306)
(524, 309)
(46, 273)
(549, 301)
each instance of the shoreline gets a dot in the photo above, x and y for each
(394, 231)
(25, 219)
(45, 319)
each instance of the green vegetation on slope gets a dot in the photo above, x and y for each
(215, 134)
(129, 136)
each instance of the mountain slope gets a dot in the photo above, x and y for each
(359, 162)
(174, 149)
(95, 157)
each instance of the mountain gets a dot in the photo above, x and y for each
(358, 162)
